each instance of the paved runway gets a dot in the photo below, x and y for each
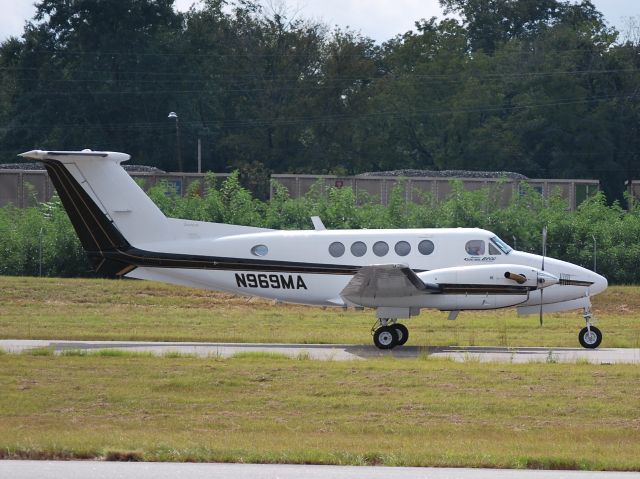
(341, 352)
(154, 470)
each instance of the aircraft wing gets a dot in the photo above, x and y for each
(380, 281)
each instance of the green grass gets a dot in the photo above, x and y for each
(46, 308)
(263, 407)
(259, 355)
(269, 409)
(108, 353)
(38, 352)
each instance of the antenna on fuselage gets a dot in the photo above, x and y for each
(544, 254)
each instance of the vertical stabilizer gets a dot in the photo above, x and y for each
(106, 206)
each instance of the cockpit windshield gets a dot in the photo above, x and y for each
(504, 247)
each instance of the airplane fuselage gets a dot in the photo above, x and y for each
(305, 256)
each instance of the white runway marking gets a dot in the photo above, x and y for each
(342, 352)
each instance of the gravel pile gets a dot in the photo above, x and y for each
(142, 169)
(32, 165)
(35, 165)
(447, 174)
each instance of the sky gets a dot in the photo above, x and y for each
(377, 19)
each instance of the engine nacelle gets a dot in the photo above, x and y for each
(493, 278)
(484, 286)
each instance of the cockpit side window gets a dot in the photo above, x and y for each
(475, 247)
(493, 250)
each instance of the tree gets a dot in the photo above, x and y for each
(93, 74)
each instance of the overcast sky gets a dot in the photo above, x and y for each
(378, 19)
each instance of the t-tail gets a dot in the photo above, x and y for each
(119, 226)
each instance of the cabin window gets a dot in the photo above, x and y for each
(475, 247)
(259, 250)
(425, 247)
(380, 248)
(402, 248)
(493, 250)
(358, 248)
(336, 249)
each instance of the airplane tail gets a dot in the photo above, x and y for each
(119, 226)
(108, 210)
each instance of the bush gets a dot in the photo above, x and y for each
(41, 237)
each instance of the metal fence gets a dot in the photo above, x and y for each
(24, 188)
(28, 187)
(417, 189)
(633, 190)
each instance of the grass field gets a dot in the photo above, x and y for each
(138, 310)
(263, 408)
(419, 412)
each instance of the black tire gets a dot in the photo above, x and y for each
(401, 332)
(385, 338)
(590, 341)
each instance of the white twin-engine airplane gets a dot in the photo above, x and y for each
(396, 272)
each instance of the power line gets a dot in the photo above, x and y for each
(305, 120)
(318, 76)
(272, 85)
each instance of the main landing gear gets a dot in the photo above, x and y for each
(387, 334)
(590, 337)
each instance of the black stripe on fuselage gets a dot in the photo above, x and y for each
(484, 289)
(96, 231)
(143, 258)
(111, 253)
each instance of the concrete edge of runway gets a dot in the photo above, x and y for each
(340, 352)
(171, 470)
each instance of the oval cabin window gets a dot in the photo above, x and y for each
(380, 248)
(259, 250)
(425, 247)
(358, 248)
(336, 249)
(402, 248)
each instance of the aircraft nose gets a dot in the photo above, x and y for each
(600, 283)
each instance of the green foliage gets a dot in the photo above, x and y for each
(42, 236)
(40, 239)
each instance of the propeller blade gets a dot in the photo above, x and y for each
(544, 245)
(544, 254)
(541, 303)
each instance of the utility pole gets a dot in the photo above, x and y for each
(174, 115)
(199, 156)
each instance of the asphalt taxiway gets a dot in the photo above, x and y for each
(170, 470)
(343, 352)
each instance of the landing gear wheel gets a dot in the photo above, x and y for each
(590, 339)
(402, 333)
(385, 337)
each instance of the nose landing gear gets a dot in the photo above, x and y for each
(590, 337)
(387, 334)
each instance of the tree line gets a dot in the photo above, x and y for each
(41, 241)
(541, 87)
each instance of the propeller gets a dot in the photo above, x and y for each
(544, 253)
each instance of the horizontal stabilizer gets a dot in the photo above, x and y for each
(42, 155)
